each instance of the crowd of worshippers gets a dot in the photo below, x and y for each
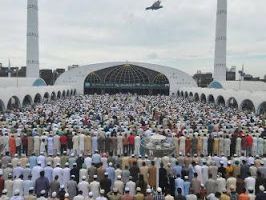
(90, 147)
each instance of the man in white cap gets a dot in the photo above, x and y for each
(119, 184)
(41, 158)
(115, 195)
(262, 194)
(55, 185)
(79, 196)
(84, 186)
(4, 195)
(101, 197)
(111, 172)
(16, 196)
(48, 171)
(26, 171)
(36, 144)
(66, 173)
(95, 187)
(27, 184)
(42, 195)
(139, 195)
(9, 185)
(127, 195)
(18, 185)
(159, 195)
(71, 187)
(250, 182)
(131, 185)
(36, 172)
(18, 170)
(58, 171)
(90, 197)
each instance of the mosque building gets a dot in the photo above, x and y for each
(133, 77)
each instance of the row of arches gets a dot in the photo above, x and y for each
(15, 102)
(244, 105)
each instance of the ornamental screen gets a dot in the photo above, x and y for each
(126, 79)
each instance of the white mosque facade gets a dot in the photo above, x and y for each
(134, 77)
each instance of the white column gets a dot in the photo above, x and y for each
(32, 40)
(220, 41)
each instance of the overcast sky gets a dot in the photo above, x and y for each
(180, 35)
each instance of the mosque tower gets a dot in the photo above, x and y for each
(220, 41)
(32, 40)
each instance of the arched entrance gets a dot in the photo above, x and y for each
(59, 95)
(196, 97)
(262, 108)
(126, 78)
(13, 103)
(53, 96)
(37, 98)
(178, 93)
(46, 97)
(27, 101)
(2, 106)
(247, 105)
(68, 93)
(203, 98)
(220, 101)
(64, 94)
(211, 99)
(186, 94)
(232, 103)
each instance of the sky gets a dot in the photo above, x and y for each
(181, 35)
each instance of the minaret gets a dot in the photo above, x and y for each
(220, 41)
(32, 40)
(9, 68)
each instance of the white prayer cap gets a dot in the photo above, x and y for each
(39, 163)
(148, 190)
(90, 194)
(54, 194)
(102, 191)
(261, 187)
(4, 191)
(159, 189)
(126, 189)
(43, 192)
(83, 178)
(57, 164)
(110, 164)
(138, 189)
(119, 177)
(66, 195)
(16, 192)
(62, 186)
(106, 173)
(95, 176)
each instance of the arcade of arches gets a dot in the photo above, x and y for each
(245, 105)
(126, 79)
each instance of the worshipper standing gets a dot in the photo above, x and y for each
(84, 186)
(42, 183)
(127, 195)
(95, 187)
(131, 185)
(12, 145)
(55, 185)
(152, 175)
(72, 187)
(141, 183)
(106, 183)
